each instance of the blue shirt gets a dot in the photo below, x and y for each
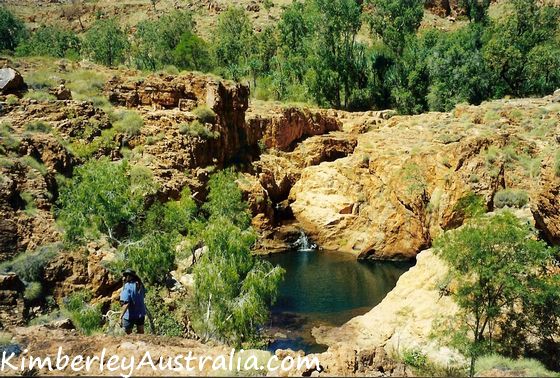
(135, 299)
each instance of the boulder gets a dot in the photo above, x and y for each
(61, 93)
(11, 81)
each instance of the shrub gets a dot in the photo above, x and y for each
(30, 206)
(128, 122)
(51, 41)
(87, 85)
(32, 163)
(524, 367)
(41, 79)
(33, 291)
(197, 129)
(152, 257)
(86, 317)
(40, 96)
(105, 142)
(12, 99)
(38, 127)
(510, 198)
(100, 199)
(233, 288)
(165, 319)
(415, 358)
(29, 266)
(12, 30)
(205, 114)
(7, 138)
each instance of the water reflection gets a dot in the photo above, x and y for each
(323, 287)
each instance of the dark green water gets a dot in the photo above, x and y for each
(325, 288)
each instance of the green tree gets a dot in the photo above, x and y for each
(233, 42)
(502, 276)
(457, 70)
(225, 200)
(106, 42)
(156, 40)
(12, 30)
(509, 42)
(233, 288)
(192, 53)
(335, 54)
(50, 41)
(476, 10)
(394, 20)
(102, 198)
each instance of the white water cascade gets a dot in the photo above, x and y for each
(303, 244)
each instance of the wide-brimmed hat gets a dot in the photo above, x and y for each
(129, 272)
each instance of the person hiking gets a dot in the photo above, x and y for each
(132, 299)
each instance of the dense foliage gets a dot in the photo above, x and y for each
(106, 43)
(233, 288)
(504, 284)
(317, 51)
(51, 41)
(12, 30)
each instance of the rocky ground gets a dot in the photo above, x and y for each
(373, 184)
(80, 14)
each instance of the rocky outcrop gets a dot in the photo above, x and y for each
(12, 306)
(545, 205)
(409, 177)
(280, 128)
(83, 269)
(11, 81)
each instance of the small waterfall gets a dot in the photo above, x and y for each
(303, 244)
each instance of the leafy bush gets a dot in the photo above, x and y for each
(7, 138)
(12, 30)
(415, 358)
(166, 321)
(205, 114)
(128, 122)
(33, 291)
(152, 257)
(233, 288)
(100, 199)
(510, 198)
(51, 41)
(29, 266)
(105, 142)
(38, 127)
(86, 317)
(197, 129)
